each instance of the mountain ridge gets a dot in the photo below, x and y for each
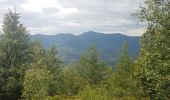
(70, 46)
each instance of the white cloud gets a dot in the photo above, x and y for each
(76, 16)
(38, 5)
(135, 32)
(39, 30)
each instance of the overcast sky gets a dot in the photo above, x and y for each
(76, 16)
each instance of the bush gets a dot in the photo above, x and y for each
(96, 93)
(36, 84)
(7, 96)
(61, 97)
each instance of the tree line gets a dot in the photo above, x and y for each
(30, 72)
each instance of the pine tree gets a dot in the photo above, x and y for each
(14, 46)
(123, 74)
(152, 67)
(14, 41)
(92, 67)
(54, 65)
(73, 80)
(52, 60)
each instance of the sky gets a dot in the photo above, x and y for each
(76, 16)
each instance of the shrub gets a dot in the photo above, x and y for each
(96, 93)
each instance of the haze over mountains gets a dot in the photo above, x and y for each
(70, 47)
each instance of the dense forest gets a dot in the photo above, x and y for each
(30, 72)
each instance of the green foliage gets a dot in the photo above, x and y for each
(73, 80)
(47, 59)
(14, 53)
(11, 76)
(121, 83)
(153, 64)
(92, 67)
(61, 97)
(14, 41)
(54, 65)
(123, 73)
(37, 55)
(36, 84)
(52, 61)
(95, 93)
(38, 72)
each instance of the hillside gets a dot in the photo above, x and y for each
(70, 47)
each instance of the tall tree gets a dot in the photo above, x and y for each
(123, 73)
(54, 65)
(92, 67)
(14, 44)
(14, 41)
(37, 55)
(52, 60)
(152, 67)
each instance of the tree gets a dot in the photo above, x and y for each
(122, 79)
(152, 67)
(52, 61)
(92, 67)
(36, 84)
(54, 65)
(14, 44)
(37, 55)
(73, 80)
(14, 41)
(47, 58)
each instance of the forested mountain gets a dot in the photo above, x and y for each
(34, 71)
(70, 47)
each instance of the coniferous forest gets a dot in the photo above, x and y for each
(30, 72)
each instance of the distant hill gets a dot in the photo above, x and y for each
(70, 47)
